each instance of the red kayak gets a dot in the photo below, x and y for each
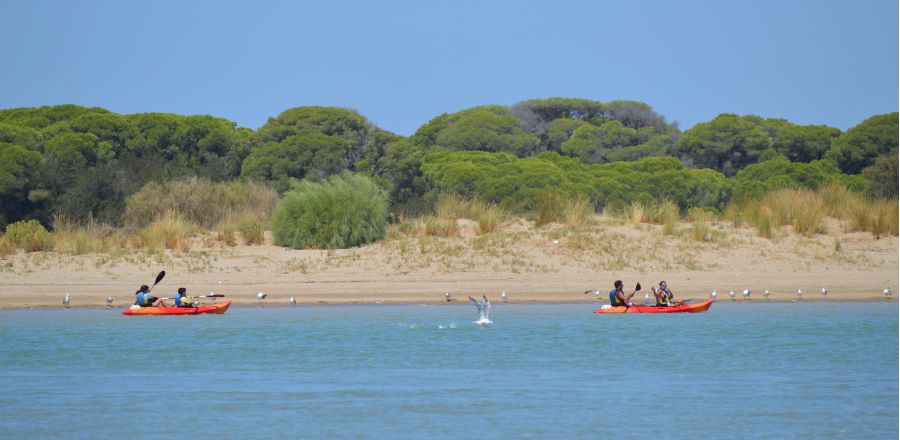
(216, 309)
(686, 308)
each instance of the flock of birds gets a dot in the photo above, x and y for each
(483, 307)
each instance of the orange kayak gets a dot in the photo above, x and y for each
(217, 309)
(687, 308)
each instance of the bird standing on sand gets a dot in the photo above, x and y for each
(766, 294)
(503, 296)
(448, 297)
(293, 301)
(731, 294)
(746, 294)
(109, 301)
(260, 297)
(66, 300)
(824, 292)
(799, 294)
(887, 294)
(714, 294)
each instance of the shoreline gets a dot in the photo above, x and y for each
(247, 305)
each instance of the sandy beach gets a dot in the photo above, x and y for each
(549, 264)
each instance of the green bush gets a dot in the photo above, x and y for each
(345, 211)
(29, 236)
(251, 231)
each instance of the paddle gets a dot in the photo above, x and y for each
(211, 295)
(162, 274)
(637, 289)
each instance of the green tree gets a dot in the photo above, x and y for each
(487, 128)
(859, 146)
(882, 176)
(727, 143)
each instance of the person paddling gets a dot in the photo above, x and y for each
(143, 298)
(182, 299)
(664, 296)
(617, 296)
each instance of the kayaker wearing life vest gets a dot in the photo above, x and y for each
(143, 298)
(182, 299)
(617, 297)
(664, 296)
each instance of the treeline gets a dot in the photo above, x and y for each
(83, 163)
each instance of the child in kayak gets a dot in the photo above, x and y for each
(664, 296)
(182, 299)
(617, 297)
(143, 298)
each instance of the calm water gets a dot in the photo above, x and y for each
(738, 371)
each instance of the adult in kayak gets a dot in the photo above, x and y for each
(664, 296)
(617, 296)
(143, 298)
(182, 299)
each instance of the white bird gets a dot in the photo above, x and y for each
(597, 294)
(646, 298)
(766, 293)
(714, 294)
(448, 297)
(109, 301)
(503, 295)
(824, 292)
(887, 293)
(66, 300)
(483, 309)
(746, 294)
(799, 294)
(260, 296)
(293, 301)
(731, 294)
(555, 241)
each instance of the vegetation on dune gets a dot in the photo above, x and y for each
(85, 173)
(344, 211)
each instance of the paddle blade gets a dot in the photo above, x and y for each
(162, 274)
(638, 287)
(215, 295)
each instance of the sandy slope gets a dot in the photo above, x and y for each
(551, 264)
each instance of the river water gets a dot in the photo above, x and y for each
(741, 370)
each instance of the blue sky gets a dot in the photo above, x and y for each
(400, 63)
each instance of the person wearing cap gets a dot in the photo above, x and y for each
(143, 298)
(182, 299)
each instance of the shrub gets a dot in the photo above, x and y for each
(251, 231)
(344, 211)
(440, 227)
(548, 208)
(29, 236)
(227, 236)
(700, 224)
(578, 212)
(201, 202)
(170, 231)
(488, 215)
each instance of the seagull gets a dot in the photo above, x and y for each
(448, 297)
(293, 301)
(483, 309)
(646, 298)
(824, 292)
(731, 294)
(887, 293)
(503, 296)
(799, 294)
(766, 293)
(260, 296)
(714, 294)
(746, 294)
(109, 301)
(66, 300)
